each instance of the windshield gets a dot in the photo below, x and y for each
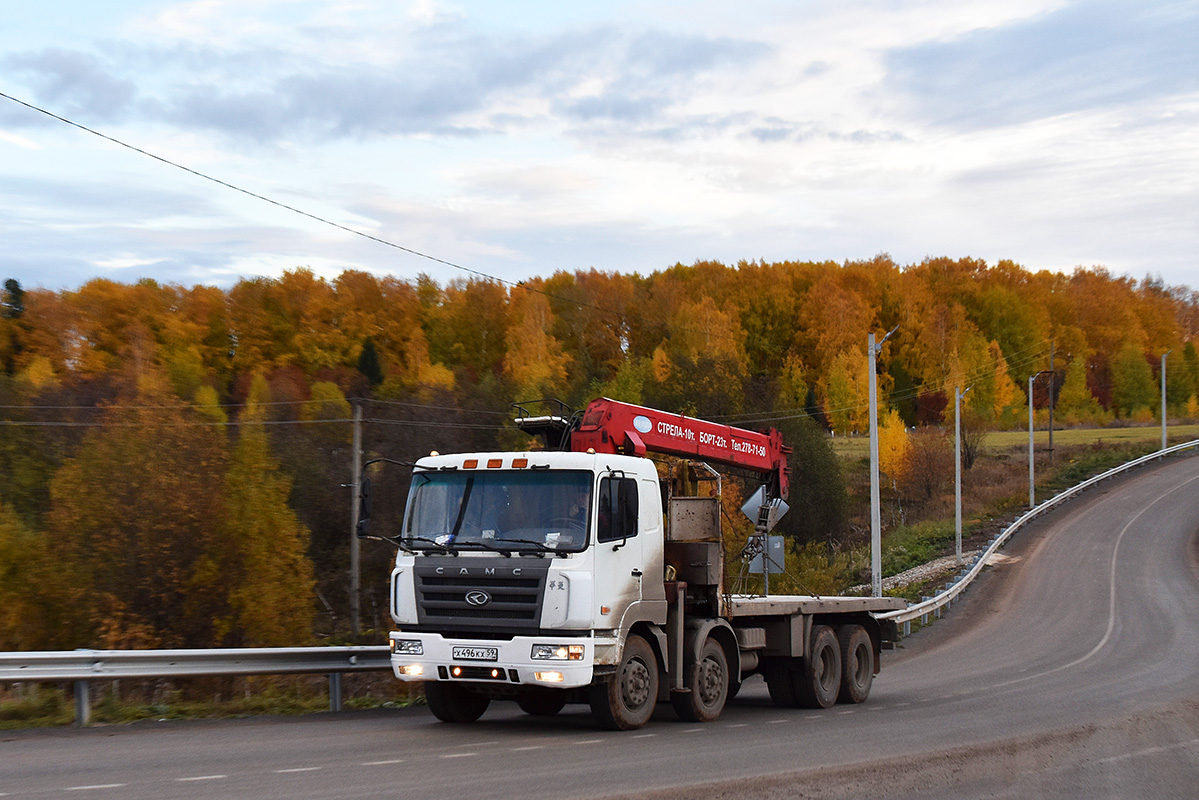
(498, 510)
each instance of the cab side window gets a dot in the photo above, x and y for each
(617, 509)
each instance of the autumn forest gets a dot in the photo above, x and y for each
(175, 461)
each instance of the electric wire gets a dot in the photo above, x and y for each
(303, 213)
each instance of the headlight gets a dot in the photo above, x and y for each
(558, 652)
(407, 647)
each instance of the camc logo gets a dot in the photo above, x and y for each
(478, 598)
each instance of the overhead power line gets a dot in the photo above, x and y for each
(302, 212)
(609, 312)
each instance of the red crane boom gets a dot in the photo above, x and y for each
(609, 426)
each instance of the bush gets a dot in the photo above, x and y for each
(930, 467)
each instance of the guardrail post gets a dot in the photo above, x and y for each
(335, 691)
(83, 704)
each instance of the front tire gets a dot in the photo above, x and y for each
(708, 682)
(450, 702)
(625, 701)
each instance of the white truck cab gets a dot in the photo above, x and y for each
(523, 568)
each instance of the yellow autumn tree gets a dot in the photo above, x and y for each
(1006, 394)
(894, 447)
(265, 562)
(534, 360)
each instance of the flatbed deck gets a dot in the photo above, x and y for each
(784, 605)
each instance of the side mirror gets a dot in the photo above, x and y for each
(363, 529)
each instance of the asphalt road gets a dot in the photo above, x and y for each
(1072, 670)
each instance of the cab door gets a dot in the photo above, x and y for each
(628, 556)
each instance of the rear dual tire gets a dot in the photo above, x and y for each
(819, 682)
(839, 668)
(857, 664)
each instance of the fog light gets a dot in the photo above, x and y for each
(548, 677)
(412, 670)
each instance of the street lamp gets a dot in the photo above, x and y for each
(876, 525)
(1032, 486)
(1168, 352)
(958, 394)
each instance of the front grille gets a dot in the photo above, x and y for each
(506, 597)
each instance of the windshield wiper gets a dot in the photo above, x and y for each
(542, 547)
(444, 548)
(505, 552)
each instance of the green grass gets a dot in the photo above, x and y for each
(912, 545)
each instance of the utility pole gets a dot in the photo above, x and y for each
(1168, 352)
(876, 526)
(1032, 490)
(1052, 386)
(355, 484)
(958, 394)
(1032, 485)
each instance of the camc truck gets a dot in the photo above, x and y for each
(576, 574)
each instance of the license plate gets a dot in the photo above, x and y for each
(477, 653)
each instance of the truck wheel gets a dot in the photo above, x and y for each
(708, 682)
(819, 683)
(626, 701)
(780, 680)
(543, 703)
(857, 664)
(450, 702)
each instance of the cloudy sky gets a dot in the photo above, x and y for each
(521, 137)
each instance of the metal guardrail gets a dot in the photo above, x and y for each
(82, 666)
(933, 605)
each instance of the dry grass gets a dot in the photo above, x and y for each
(852, 448)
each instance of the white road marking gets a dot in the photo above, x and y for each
(379, 763)
(1111, 602)
(297, 769)
(530, 747)
(459, 755)
(589, 741)
(95, 786)
(202, 778)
